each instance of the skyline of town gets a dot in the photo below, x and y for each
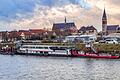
(38, 14)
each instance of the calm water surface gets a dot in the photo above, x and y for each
(57, 68)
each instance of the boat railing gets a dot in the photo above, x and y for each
(90, 45)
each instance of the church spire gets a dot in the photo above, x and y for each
(104, 15)
(104, 22)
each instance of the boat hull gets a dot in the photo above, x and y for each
(52, 55)
(88, 55)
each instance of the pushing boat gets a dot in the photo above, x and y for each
(93, 54)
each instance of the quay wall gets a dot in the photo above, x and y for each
(100, 47)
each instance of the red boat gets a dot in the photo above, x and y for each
(92, 55)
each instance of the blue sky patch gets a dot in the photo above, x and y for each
(9, 8)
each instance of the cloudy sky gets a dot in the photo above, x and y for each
(35, 14)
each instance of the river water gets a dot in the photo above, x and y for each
(57, 68)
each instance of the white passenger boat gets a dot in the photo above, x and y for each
(44, 50)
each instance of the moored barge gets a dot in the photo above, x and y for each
(44, 50)
(56, 50)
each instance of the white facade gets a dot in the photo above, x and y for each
(83, 38)
(114, 35)
(70, 38)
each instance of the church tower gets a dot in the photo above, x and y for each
(65, 20)
(104, 22)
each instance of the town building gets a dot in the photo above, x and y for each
(114, 35)
(80, 38)
(37, 31)
(65, 28)
(24, 34)
(112, 29)
(108, 29)
(31, 34)
(87, 30)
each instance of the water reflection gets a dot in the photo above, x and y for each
(57, 68)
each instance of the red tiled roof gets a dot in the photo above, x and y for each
(38, 31)
(26, 32)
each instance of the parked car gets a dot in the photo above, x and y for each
(111, 41)
(102, 41)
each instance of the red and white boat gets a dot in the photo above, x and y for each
(92, 55)
(45, 50)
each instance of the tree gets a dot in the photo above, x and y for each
(5, 36)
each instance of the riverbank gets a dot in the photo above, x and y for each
(103, 47)
(100, 47)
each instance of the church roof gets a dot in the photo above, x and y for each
(112, 27)
(63, 25)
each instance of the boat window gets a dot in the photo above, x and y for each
(45, 47)
(52, 48)
(58, 48)
(24, 47)
(39, 47)
(41, 52)
(31, 47)
(62, 48)
(46, 52)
